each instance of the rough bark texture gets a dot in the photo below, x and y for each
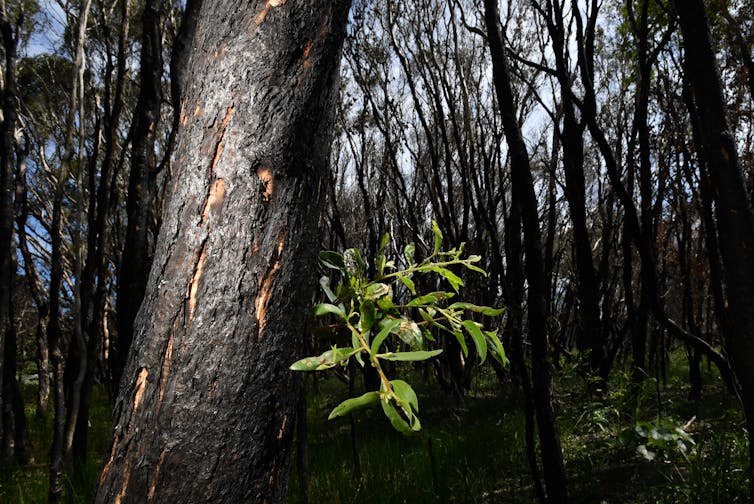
(735, 216)
(207, 403)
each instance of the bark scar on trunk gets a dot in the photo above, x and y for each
(183, 116)
(268, 180)
(220, 139)
(167, 359)
(155, 476)
(266, 9)
(193, 286)
(110, 459)
(265, 290)
(141, 383)
(307, 51)
(214, 200)
(282, 428)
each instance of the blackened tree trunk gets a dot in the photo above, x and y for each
(735, 216)
(135, 260)
(207, 403)
(8, 98)
(522, 184)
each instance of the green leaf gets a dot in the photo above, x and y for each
(368, 314)
(428, 318)
(332, 260)
(492, 312)
(383, 242)
(327, 360)
(408, 283)
(408, 253)
(357, 344)
(431, 298)
(405, 398)
(405, 394)
(354, 404)
(324, 282)
(485, 310)
(326, 308)
(476, 334)
(438, 237)
(475, 268)
(396, 420)
(385, 304)
(461, 341)
(498, 352)
(410, 333)
(419, 355)
(422, 300)
(387, 326)
(378, 290)
(453, 279)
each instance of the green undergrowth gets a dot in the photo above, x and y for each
(634, 444)
(478, 452)
(29, 485)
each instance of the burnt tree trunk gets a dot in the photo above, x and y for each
(734, 212)
(553, 467)
(8, 99)
(135, 260)
(207, 404)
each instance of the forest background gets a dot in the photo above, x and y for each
(634, 339)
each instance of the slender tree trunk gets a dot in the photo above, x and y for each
(14, 416)
(8, 96)
(54, 330)
(735, 216)
(549, 435)
(34, 283)
(136, 259)
(207, 404)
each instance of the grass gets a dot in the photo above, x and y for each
(480, 453)
(474, 451)
(470, 444)
(30, 485)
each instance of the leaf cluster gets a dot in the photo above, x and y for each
(388, 319)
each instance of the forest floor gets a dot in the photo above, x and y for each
(651, 445)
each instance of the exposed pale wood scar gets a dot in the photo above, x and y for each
(266, 9)
(220, 140)
(265, 288)
(267, 178)
(193, 287)
(214, 201)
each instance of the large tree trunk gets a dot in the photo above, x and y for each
(207, 403)
(735, 216)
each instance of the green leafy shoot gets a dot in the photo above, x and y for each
(389, 320)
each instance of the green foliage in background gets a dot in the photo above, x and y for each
(383, 328)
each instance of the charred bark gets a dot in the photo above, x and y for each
(136, 259)
(207, 404)
(8, 96)
(735, 216)
(521, 177)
